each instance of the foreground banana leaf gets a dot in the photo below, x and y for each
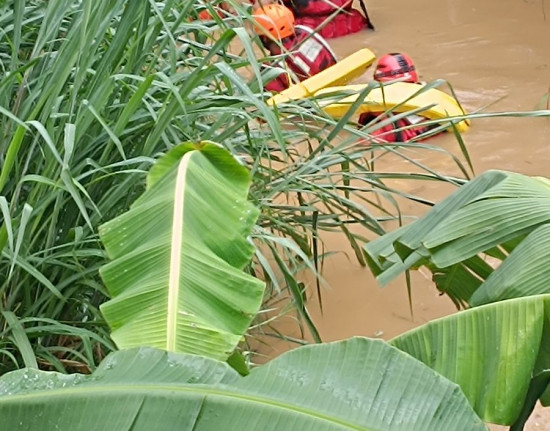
(357, 384)
(491, 352)
(524, 272)
(176, 276)
(491, 216)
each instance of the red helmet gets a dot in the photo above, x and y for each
(395, 66)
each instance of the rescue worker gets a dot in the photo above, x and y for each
(396, 67)
(330, 18)
(307, 52)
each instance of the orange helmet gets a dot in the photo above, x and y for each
(395, 66)
(274, 19)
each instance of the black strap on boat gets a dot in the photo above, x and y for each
(364, 7)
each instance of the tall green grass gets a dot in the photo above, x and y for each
(91, 92)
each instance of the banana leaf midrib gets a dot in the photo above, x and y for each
(176, 253)
(201, 389)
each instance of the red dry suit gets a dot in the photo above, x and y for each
(320, 16)
(308, 55)
(396, 131)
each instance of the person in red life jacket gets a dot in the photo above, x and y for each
(396, 67)
(330, 18)
(307, 52)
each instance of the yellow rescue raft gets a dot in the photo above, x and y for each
(395, 97)
(340, 73)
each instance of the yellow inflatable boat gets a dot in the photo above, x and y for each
(395, 97)
(340, 73)
(398, 97)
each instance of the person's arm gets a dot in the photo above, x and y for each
(280, 83)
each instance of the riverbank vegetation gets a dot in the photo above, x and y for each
(93, 95)
(179, 287)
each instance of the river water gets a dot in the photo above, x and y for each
(496, 56)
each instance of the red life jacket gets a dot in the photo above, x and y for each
(395, 132)
(347, 22)
(308, 55)
(282, 82)
(316, 7)
(316, 14)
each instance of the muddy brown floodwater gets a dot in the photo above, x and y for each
(496, 55)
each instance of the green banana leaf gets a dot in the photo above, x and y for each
(176, 276)
(524, 272)
(356, 384)
(518, 204)
(491, 352)
(391, 254)
(493, 216)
